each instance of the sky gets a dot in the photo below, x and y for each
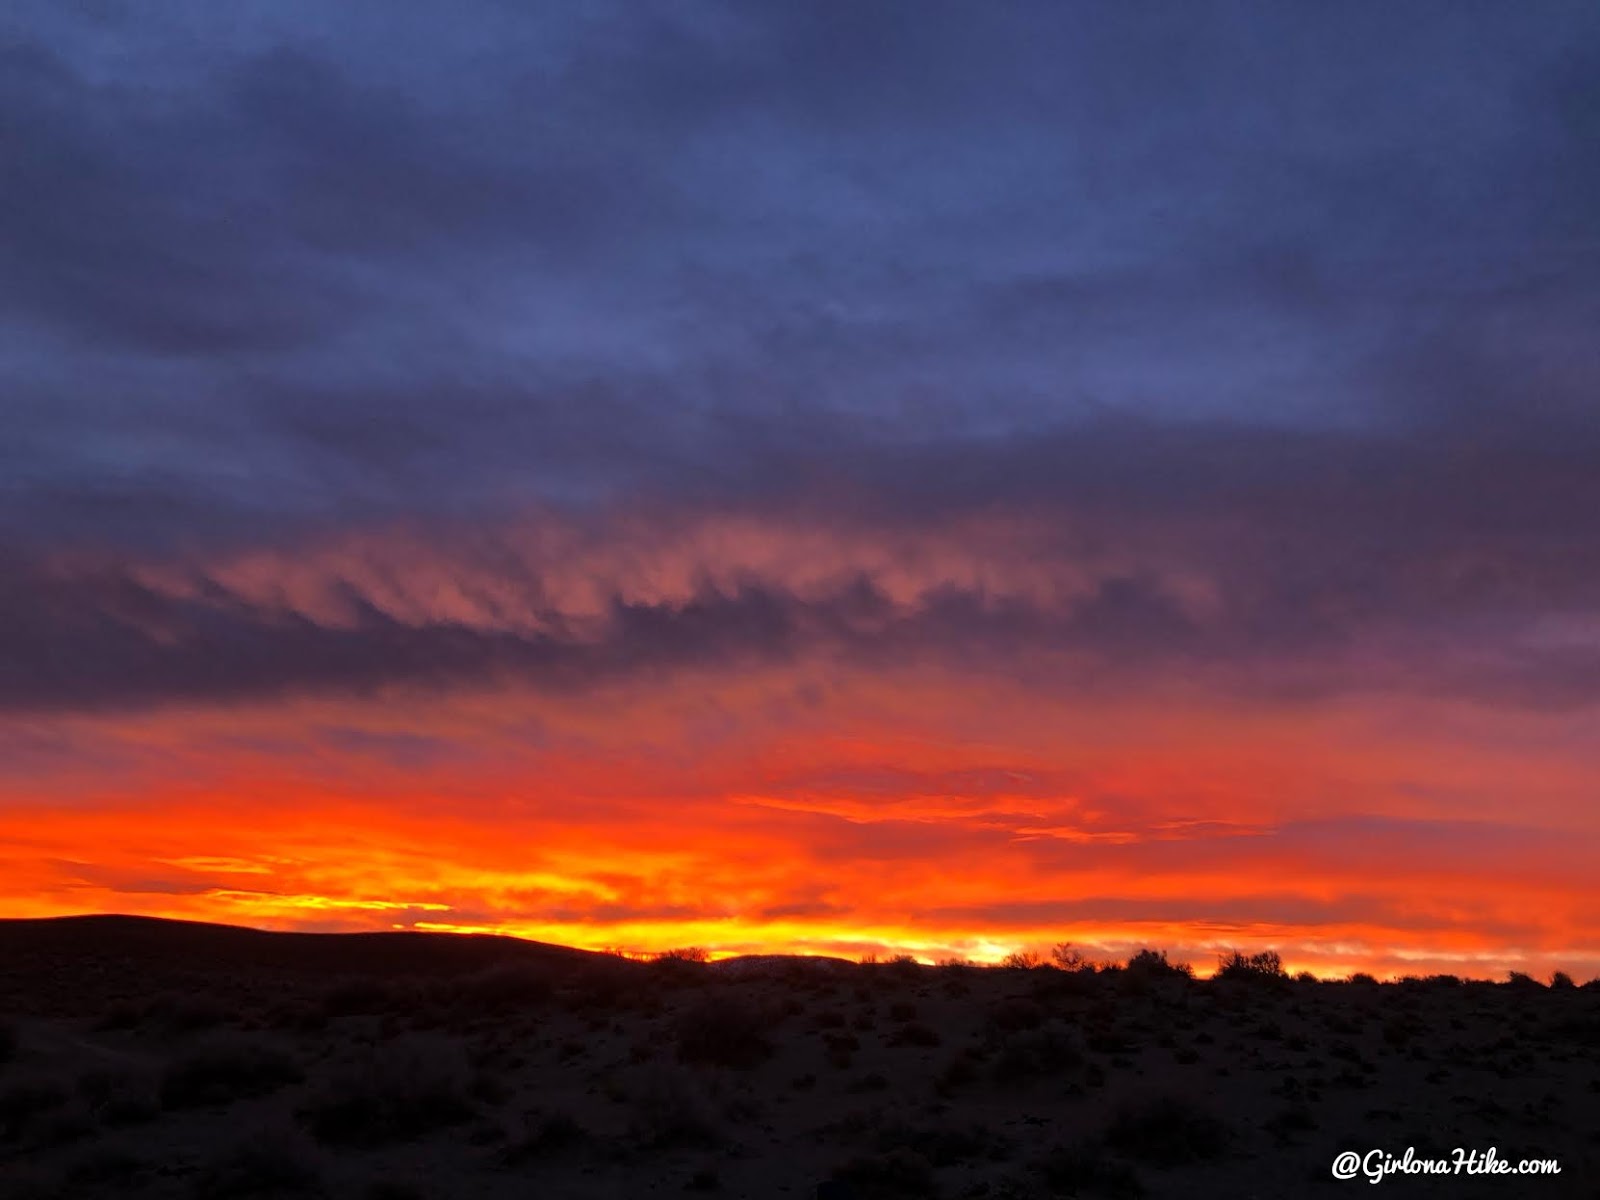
(928, 478)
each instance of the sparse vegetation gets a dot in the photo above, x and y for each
(1067, 957)
(121, 1095)
(1153, 964)
(1168, 1131)
(901, 1174)
(27, 1101)
(542, 1135)
(688, 954)
(396, 1095)
(224, 1070)
(1086, 1169)
(581, 1076)
(1022, 960)
(723, 1032)
(253, 1168)
(668, 1111)
(1263, 966)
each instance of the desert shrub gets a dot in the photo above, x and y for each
(225, 1070)
(1085, 1169)
(1361, 978)
(1007, 1016)
(186, 1014)
(363, 996)
(121, 1014)
(943, 1145)
(543, 1135)
(604, 986)
(903, 967)
(114, 1168)
(398, 1094)
(503, 989)
(1167, 1131)
(960, 1071)
(1561, 980)
(1153, 964)
(120, 1095)
(914, 1033)
(688, 954)
(257, 1168)
(1067, 957)
(1022, 960)
(392, 1189)
(1522, 981)
(899, 1173)
(723, 1032)
(668, 1111)
(1288, 1121)
(24, 1103)
(1050, 1052)
(1265, 965)
(705, 1179)
(8, 1042)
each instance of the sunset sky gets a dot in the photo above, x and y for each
(834, 478)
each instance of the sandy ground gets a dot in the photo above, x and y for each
(152, 1059)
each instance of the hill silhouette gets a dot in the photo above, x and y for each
(69, 965)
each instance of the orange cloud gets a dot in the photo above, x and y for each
(837, 809)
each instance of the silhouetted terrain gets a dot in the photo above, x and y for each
(148, 1058)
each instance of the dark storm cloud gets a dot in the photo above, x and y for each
(1300, 298)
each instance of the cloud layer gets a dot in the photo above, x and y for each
(1154, 453)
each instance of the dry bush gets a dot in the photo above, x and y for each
(901, 1174)
(279, 1165)
(915, 1033)
(503, 989)
(392, 1189)
(944, 1145)
(226, 1069)
(723, 1032)
(397, 1093)
(8, 1042)
(608, 986)
(543, 1135)
(121, 1095)
(688, 954)
(1022, 960)
(108, 1168)
(1085, 1169)
(1050, 1052)
(668, 1111)
(1168, 1131)
(363, 996)
(1153, 964)
(1264, 966)
(26, 1102)
(172, 1013)
(1008, 1016)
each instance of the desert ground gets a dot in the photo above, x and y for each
(143, 1058)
